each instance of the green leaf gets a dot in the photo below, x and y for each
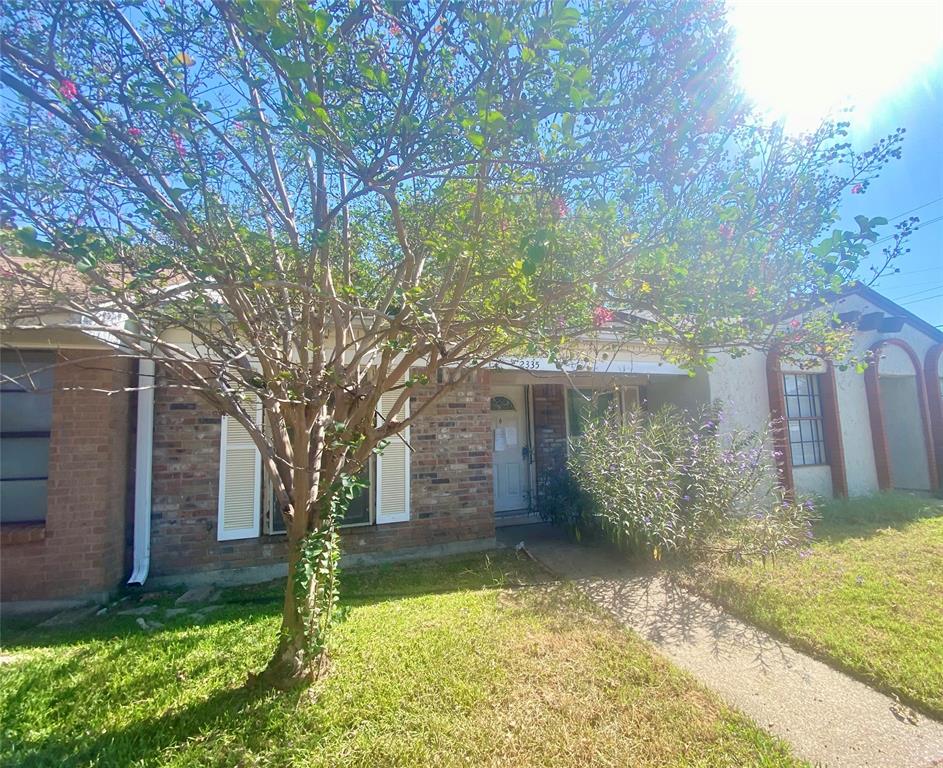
(282, 35)
(527, 55)
(322, 21)
(477, 139)
(313, 99)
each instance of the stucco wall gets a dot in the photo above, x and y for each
(813, 480)
(741, 385)
(688, 393)
(856, 432)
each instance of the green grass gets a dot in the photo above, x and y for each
(869, 597)
(473, 661)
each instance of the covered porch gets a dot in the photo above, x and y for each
(536, 409)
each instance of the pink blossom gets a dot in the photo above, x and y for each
(68, 90)
(857, 189)
(395, 29)
(178, 143)
(725, 231)
(794, 324)
(559, 207)
(602, 315)
(751, 291)
(134, 133)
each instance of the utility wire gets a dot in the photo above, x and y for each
(925, 290)
(919, 207)
(925, 298)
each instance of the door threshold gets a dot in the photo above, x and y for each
(523, 517)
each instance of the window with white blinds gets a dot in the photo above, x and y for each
(392, 468)
(240, 482)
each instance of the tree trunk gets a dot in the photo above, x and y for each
(310, 596)
(290, 665)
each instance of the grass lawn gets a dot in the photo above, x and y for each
(471, 661)
(869, 597)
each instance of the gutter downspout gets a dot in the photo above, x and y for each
(144, 458)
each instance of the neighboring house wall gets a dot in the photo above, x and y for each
(451, 487)
(742, 385)
(905, 440)
(79, 551)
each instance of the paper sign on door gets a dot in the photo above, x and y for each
(510, 436)
(500, 439)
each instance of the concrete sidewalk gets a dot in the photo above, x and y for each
(828, 718)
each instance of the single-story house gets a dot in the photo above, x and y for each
(154, 486)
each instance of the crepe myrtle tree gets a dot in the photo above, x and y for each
(302, 206)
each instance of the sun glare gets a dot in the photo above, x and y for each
(801, 61)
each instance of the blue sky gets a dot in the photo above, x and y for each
(914, 181)
(800, 60)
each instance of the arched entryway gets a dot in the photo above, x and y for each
(900, 423)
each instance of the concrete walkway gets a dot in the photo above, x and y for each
(829, 719)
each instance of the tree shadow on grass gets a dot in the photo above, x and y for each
(236, 711)
(54, 701)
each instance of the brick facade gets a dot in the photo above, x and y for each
(549, 431)
(80, 550)
(451, 486)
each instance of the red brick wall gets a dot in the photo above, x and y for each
(80, 549)
(549, 431)
(450, 482)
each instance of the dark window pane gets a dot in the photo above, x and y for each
(25, 422)
(358, 511)
(22, 501)
(25, 411)
(24, 457)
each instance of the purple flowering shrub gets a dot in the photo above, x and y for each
(672, 483)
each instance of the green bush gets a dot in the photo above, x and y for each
(671, 483)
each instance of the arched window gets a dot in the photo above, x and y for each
(501, 403)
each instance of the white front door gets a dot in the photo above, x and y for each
(511, 450)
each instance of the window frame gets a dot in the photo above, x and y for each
(42, 362)
(813, 398)
(269, 508)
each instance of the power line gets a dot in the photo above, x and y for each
(915, 271)
(921, 225)
(919, 207)
(920, 292)
(925, 298)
